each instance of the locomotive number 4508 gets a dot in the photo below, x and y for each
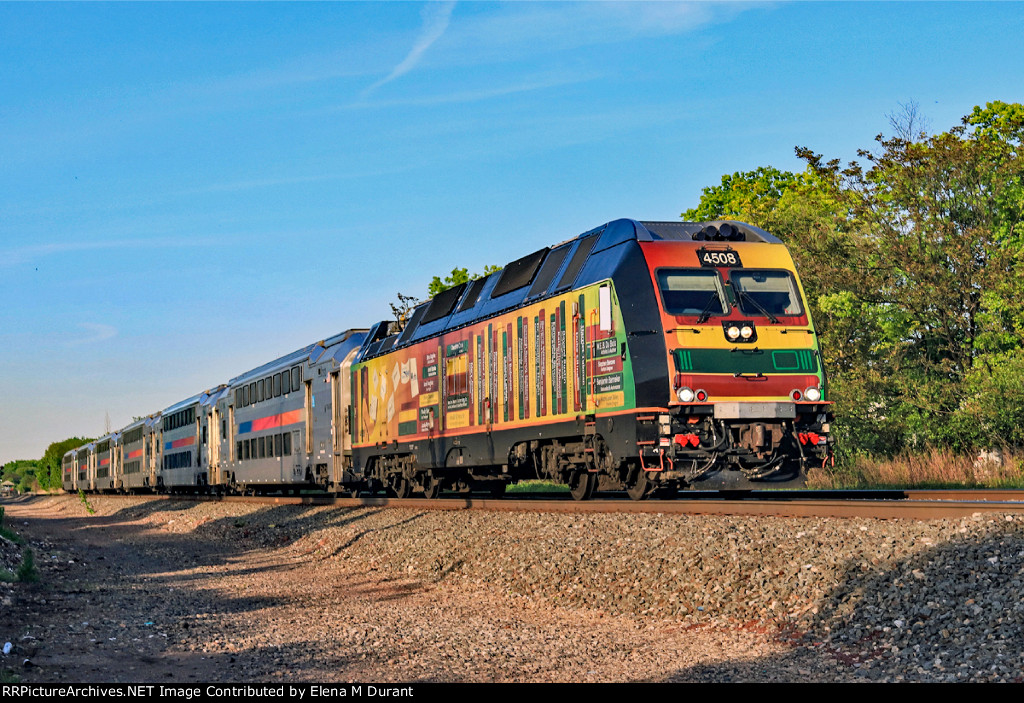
(709, 257)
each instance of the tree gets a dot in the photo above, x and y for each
(908, 122)
(403, 307)
(49, 472)
(912, 264)
(941, 256)
(751, 196)
(22, 473)
(458, 276)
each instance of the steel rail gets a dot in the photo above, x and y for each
(778, 506)
(879, 509)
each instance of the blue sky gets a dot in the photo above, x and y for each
(189, 190)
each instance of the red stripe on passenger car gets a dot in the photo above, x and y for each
(266, 423)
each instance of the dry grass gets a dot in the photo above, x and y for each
(936, 468)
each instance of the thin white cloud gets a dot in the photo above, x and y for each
(21, 255)
(96, 333)
(275, 182)
(436, 17)
(511, 33)
(471, 96)
(525, 30)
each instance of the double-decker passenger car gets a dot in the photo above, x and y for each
(282, 424)
(180, 465)
(132, 448)
(82, 463)
(69, 470)
(103, 464)
(278, 426)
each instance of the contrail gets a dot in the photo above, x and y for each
(436, 17)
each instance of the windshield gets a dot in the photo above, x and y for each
(692, 292)
(766, 293)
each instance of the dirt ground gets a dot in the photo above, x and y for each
(140, 592)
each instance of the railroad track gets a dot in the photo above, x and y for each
(881, 504)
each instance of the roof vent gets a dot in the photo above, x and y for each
(724, 232)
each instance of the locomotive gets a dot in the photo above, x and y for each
(638, 356)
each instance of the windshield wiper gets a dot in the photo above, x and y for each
(744, 295)
(706, 312)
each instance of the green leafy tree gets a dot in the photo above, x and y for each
(911, 260)
(939, 249)
(22, 473)
(48, 474)
(457, 277)
(403, 307)
(750, 196)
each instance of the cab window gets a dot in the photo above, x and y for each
(692, 292)
(766, 293)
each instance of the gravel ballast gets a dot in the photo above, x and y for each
(246, 592)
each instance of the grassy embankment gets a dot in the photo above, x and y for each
(935, 468)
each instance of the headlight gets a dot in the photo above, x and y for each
(747, 332)
(732, 332)
(685, 395)
(812, 394)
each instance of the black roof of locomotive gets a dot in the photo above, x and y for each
(585, 259)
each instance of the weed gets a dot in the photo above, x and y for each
(27, 572)
(85, 501)
(8, 533)
(538, 486)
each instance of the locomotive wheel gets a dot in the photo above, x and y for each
(669, 491)
(399, 487)
(641, 487)
(581, 485)
(433, 488)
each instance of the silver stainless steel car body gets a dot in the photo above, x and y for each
(69, 470)
(84, 462)
(329, 444)
(284, 424)
(133, 446)
(104, 466)
(179, 443)
(154, 454)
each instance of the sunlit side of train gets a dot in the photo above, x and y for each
(639, 356)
